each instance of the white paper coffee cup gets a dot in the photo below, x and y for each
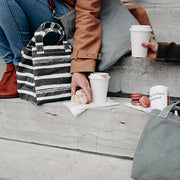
(139, 34)
(99, 85)
(159, 97)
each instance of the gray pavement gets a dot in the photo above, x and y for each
(23, 161)
(113, 130)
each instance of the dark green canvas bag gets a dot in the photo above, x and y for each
(157, 156)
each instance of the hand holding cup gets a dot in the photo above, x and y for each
(139, 34)
(152, 46)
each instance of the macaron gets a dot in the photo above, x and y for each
(145, 101)
(135, 99)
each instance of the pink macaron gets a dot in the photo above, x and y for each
(145, 102)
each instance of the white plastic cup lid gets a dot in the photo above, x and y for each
(158, 87)
(146, 28)
(99, 76)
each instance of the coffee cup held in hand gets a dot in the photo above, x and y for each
(99, 85)
(139, 34)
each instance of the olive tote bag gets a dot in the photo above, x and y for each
(157, 156)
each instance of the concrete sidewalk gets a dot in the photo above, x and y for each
(47, 143)
(113, 130)
(23, 161)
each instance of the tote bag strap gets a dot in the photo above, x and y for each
(43, 30)
(52, 6)
(49, 27)
(165, 112)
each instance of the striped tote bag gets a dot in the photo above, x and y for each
(43, 74)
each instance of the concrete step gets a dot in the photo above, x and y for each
(131, 75)
(157, 3)
(165, 23)
(111, 130)
(22, 161)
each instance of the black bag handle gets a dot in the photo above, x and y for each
(165, 112)
(52, 6)
(43, 30)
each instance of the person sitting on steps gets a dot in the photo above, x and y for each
(19, 20)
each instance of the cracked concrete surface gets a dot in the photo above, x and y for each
(20, 161)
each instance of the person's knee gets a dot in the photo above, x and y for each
(136, 10)
(141, 10)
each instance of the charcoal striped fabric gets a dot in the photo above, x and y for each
(43, 74)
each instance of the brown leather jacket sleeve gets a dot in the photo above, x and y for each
(169, 51)
(87, 38)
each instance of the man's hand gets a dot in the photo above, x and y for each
(152, 46)
(80, 80)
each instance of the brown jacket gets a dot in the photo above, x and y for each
(168, 51)
(87, 38)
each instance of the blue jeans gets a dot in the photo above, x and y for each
(18, 21)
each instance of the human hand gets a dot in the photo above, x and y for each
(152, 46)
(80, 80)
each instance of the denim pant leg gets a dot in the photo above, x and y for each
(24, 16)
(5, 51)
(14, 31)
(38, 12)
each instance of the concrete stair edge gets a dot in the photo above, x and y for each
(109, 130)
(22, 161)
